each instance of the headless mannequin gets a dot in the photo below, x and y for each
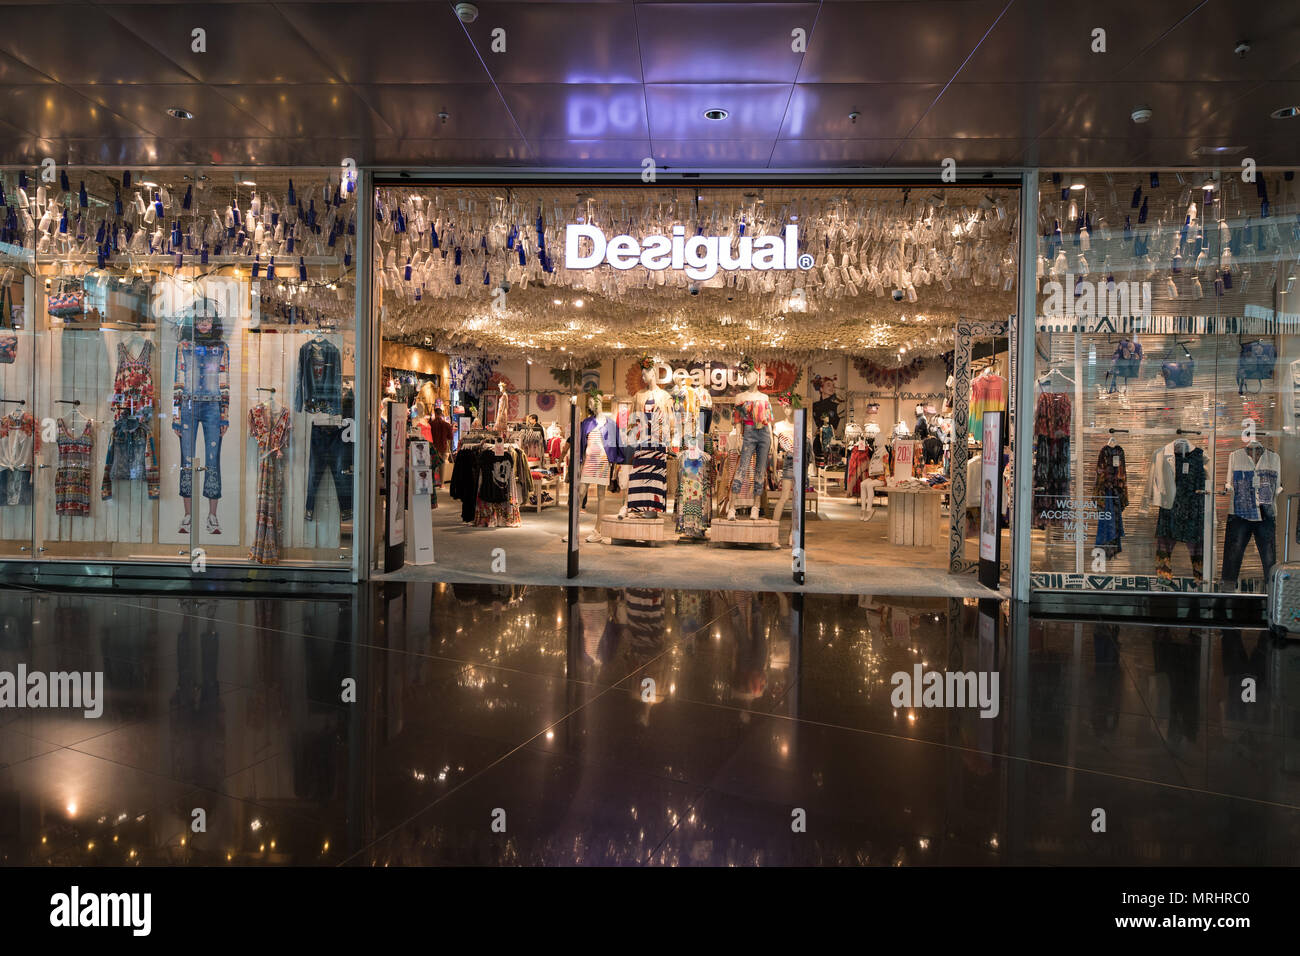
(867, 490)
(751, 394)
(785, 429)
(601, 417)
(503, 408)
(641, 427)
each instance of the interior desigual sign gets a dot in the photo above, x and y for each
(586, 247)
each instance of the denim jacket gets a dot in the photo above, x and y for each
(202, 374)
(320, 378)
(131, 457)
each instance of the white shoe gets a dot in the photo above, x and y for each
(753, 513)
(593, 537)
(185, 525)
(731, 514)
(213, 526)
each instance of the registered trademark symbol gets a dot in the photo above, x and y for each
(805, 261)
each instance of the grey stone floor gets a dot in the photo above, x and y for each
(845, 556)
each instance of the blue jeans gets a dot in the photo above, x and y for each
(208, 414)
(329, 452)
(1238, 535)
(756, 443)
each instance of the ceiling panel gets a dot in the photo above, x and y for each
(1083, 151)
(559, 42)
(719, 152)
(80, 43)
(1053, 41)
(146, 106)
(561, 111)
(886, 110)
(245, 43)
(475, 111)
(310, 111)
(834, 152)
(998, 110)
(1203, 46)
(12, 71)
(966, 152)
(627, 153)
(53, 111)
(677, 112)
(720, 42)
(415, 42)
(895, 42)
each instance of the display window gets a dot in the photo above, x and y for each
(183, 351)
(709, 338)
(1165, 423)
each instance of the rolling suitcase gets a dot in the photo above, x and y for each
(1284, 588)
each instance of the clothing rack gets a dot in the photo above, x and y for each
(14, 401)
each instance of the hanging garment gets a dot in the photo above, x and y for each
(1254, 484)
(647, 488)
(859, 468)
(72, 477)
(270, 433)
(133, 389)
(20, 441)
(464, 481)
(1052, 415)
(1184, 518)
(988, 393)
(319, 385)
(499, 476)
(694, 504)
(132, 456)
(1111, 490)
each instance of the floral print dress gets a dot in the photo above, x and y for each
(271, 433)
(694, 505)
(72, 478)
(133, 388)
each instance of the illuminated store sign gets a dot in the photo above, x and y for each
(699, 256)
(719, 379)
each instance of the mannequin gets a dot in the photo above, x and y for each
(598, 456)
(651, 432)
(754, 414)
(783, 433)
(503, 409)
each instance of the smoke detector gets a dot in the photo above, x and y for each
(1141, 114)
(467, 12)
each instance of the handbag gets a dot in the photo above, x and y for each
(67, 303)
(1125, 363)
(1255, 363)
(1179, 374)
(8, 337)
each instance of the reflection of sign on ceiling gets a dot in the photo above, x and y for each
(699, 256)
(719, 379)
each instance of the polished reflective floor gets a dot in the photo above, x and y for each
(473, 724)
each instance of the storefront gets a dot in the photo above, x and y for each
(1166, 370)
(177, 366)
(692, 327)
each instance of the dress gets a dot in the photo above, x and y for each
(1051, 457)
(595, 463)
(498, 488)
(272, 435)
(694, 505)
(647, 488)
(1111, 491)
(72, 478)
(133, 389)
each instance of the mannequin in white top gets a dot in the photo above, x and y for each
(783, 432)
(651, 422)
(602, 416)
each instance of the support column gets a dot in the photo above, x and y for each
(365, 388)
(1022, 343)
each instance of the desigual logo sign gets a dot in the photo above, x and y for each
(717, 378)
(701, 257)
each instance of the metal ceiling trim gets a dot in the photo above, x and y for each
(683, 176)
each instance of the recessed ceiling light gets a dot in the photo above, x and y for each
(1286, 112)
(1141, 114)
(248, 182)
(717, 114)
(577, 303)
(1216, 150)
(1077, 182)
(179, 113)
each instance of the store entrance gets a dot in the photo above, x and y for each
(667, 388)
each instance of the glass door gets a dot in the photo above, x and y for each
(20, 429)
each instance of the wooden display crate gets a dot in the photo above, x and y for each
(761, 531)
(629, 530)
